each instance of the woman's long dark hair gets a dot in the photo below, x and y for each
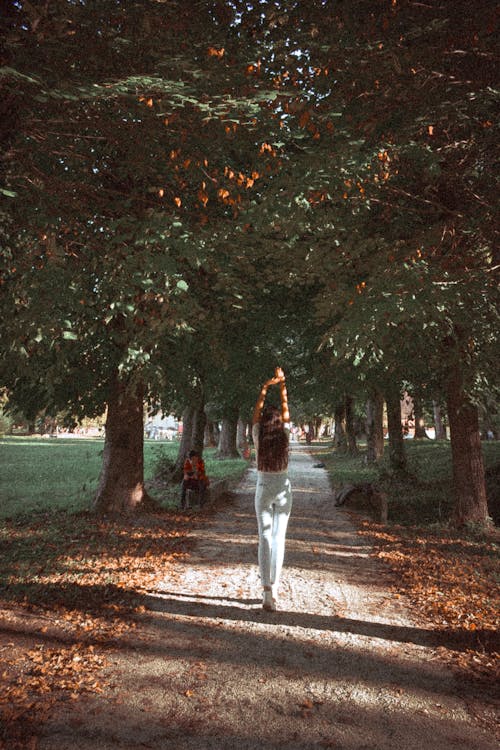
(273, 441)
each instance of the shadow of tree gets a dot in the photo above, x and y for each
(188, 630)
(339, 724)
(111, 602)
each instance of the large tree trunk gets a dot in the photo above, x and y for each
(375, 427)
(193, 437)
(227, 439)
(211, 439)
(418, 417)
(198, 430)
(185, 444)
(468, 470)
(121, 484)
(339, 436)
(241, 435)
(439, 428)
(397, 452)
(352, 445)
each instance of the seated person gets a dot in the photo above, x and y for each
(195, 477)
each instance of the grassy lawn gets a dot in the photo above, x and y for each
(425, 496)
(40, 474)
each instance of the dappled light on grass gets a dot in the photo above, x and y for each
(453, 581)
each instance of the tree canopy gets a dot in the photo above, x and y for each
(192, 191)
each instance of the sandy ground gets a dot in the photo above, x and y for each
(340, 665)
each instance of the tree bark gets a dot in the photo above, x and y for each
(352, 445)
(121, 484)
(418, 417)
(439, 428)
(185, 444)
(198, 429)
(241, 436)
(397, 452)
(375, 427)
(339, 436)
(211, 439)
(468, 470)
(227, 439)
(243, 432)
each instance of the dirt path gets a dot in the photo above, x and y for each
(340, 665)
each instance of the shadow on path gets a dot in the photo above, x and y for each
(185, 606)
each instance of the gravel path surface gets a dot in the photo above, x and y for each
(340, 665)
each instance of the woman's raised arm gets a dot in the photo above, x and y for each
(279, 379)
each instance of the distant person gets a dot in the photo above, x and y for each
(195, 477)
(273, 493)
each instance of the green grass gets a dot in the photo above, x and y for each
(41, 474)
(425, 495)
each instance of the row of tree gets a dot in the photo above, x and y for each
(193, 193)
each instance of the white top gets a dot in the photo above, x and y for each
(255, 436)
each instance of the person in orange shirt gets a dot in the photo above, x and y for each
(195, 477)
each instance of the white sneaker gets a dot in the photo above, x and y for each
(268, 601)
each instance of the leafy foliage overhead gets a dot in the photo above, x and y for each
(340, 152)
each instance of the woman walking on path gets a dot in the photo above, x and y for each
(273, 494)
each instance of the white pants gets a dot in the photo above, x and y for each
(273, 503)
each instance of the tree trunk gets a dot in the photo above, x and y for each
(227, 439)
(468, 469)
(339, 436)
(440, 430)
(240, 433)
(327, 428)
(349, 426)
(397, 453)
(185, 444)
(418, 417)
(121, 484)
(211, 439)
(375, 427)
(243, 430)
(198, 429)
